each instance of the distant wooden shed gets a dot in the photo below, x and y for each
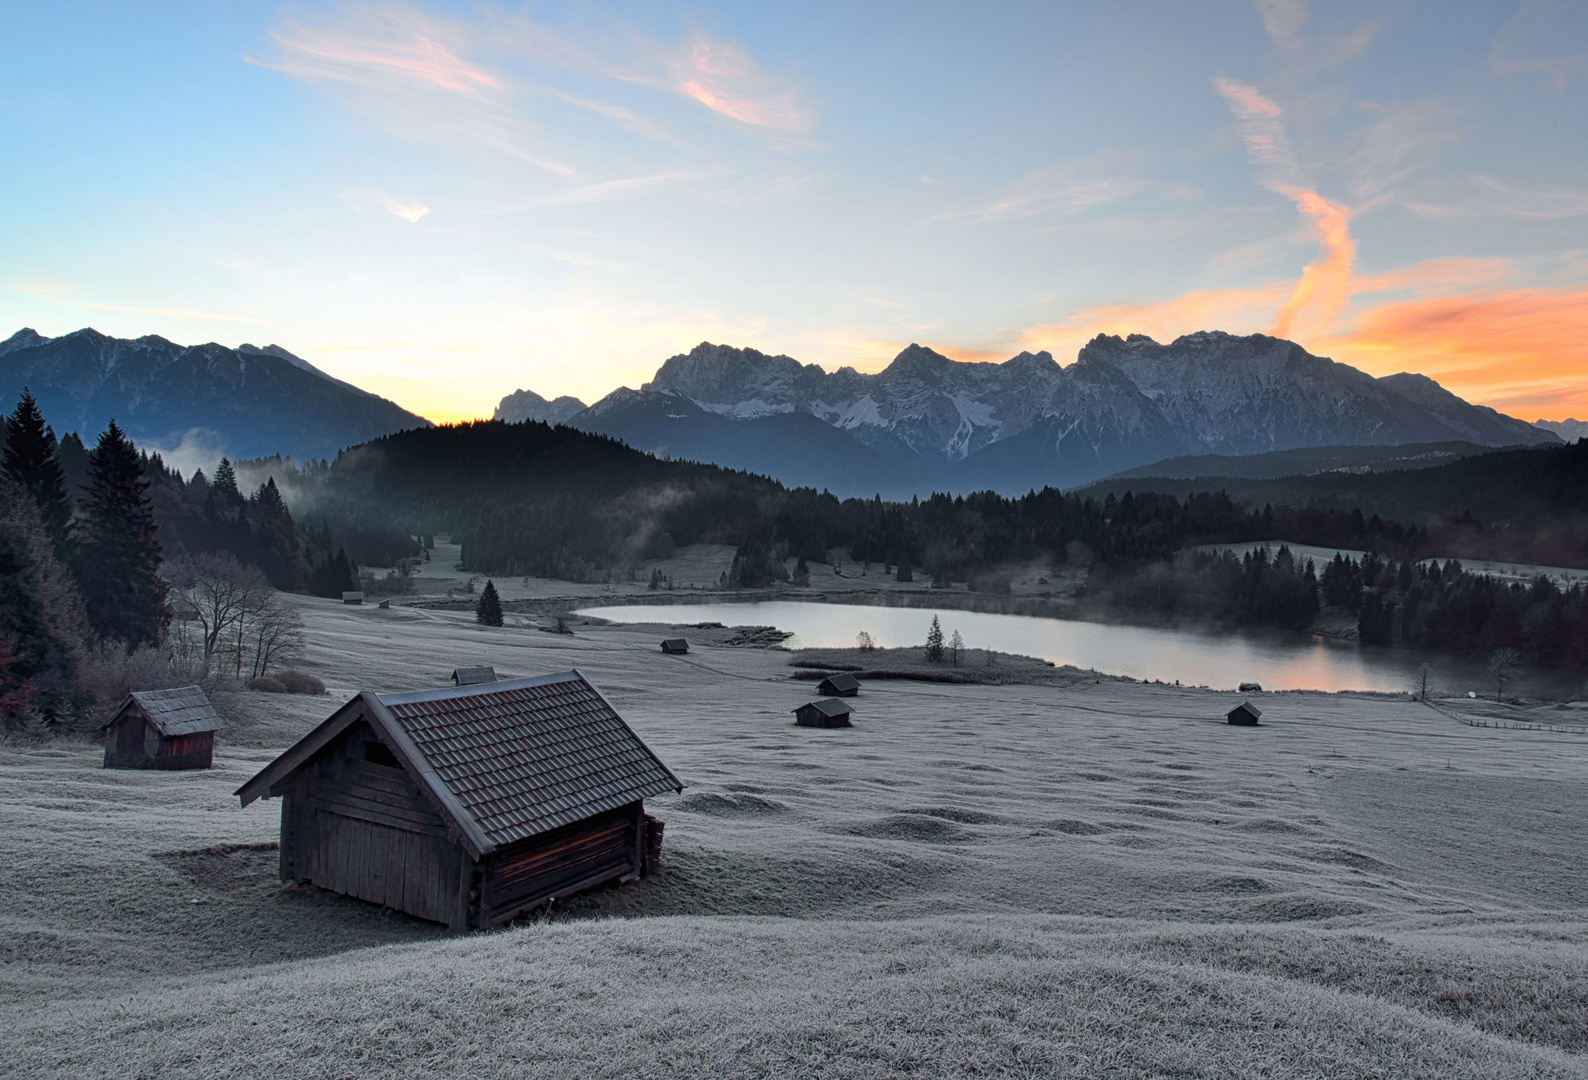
(675, 645)
(1245, 714)
(470, 676)
(842, 684)
(162, 729)
(470, 805)
(823, 713)
(353, 596)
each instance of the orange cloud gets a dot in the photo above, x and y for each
(1328, 277)
(1517, 349)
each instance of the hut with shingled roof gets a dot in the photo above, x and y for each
(470, 676)
(1244, 715)
(675, 645)
(842, 684)
(823, 713)
(469, 805)
(162, 729)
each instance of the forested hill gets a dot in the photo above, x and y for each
(1505, 485)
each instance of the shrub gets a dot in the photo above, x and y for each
(112, 671)
(266, 685)
(300, 682)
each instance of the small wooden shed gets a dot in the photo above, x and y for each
(842, 684)
(824, 713)
(470, 676)
(469, 805)
(162, 729)
(1245, 714)
(353, 596)
(675, 645)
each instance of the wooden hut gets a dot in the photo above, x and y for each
(352, 596)
(675, 645)
(162, 729)
(471, 676)
(824, 712)
(469, 805)
(1245, 714)
(842, 684)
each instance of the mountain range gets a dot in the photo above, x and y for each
(926, 422)
(244, 402)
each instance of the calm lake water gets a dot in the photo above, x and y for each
(1278, 662)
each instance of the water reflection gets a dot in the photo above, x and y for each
(1278, 662)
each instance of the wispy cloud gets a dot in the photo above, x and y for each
(1065, 189)
(726, 79)
(1327, 279)
(361, 199)
(1544, 37)
(410, 73)
(1283, 19)
(1495, 198)
(614, 190)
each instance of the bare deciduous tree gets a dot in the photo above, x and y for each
(864, 642)
(1422, 682)
(1502, 666)
(956, 645)
(235, 611)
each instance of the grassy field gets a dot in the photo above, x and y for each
(1092, 879)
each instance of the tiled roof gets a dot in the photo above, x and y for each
(842, 681)
(182, 710)
(528, 755)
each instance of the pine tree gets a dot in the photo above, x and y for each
(934, 642)
(904, 573)
(224, 485)
(489, 611)
(118, 551)
(41, 618)
(32, 459)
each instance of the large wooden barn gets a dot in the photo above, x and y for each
(162, 729)
(468, 805)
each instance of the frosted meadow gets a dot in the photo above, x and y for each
(1095, 878)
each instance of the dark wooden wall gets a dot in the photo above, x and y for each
(562, 862)
(362, 828)
(134, 743)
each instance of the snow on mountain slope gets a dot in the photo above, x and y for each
(252, 402)
(1124, 402)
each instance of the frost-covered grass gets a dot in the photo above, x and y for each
(1020, 880)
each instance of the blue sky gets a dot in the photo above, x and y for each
(445, 202)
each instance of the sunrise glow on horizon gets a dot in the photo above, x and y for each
(443, 202)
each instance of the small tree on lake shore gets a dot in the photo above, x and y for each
(934, 642)
(956, 645)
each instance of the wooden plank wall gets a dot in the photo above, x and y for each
(359, 828)
(575, 857)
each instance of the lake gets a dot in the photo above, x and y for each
(1277, 661)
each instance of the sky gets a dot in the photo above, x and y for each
(445, 202)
